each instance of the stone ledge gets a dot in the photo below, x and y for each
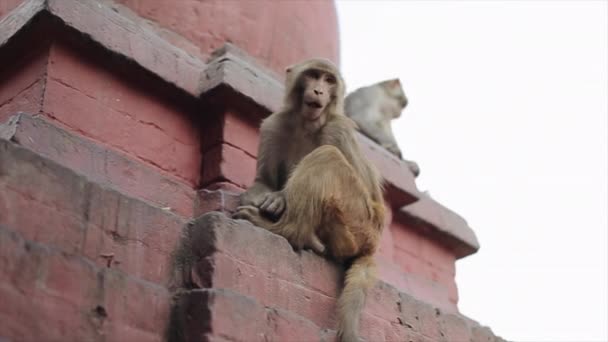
(103, 165)
(447, 226)
(220, 257)
(54, 205)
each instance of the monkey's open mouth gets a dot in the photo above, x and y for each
(314, 104)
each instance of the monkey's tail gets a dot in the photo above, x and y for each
(360, 277)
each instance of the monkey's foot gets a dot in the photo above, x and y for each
(246, 212)
(316, 245)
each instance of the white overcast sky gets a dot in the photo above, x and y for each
(508, 120)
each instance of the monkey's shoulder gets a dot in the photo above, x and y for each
(339, 125)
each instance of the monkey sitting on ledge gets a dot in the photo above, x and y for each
(314, 187)
(373, 107)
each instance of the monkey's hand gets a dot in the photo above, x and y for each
(273, 204)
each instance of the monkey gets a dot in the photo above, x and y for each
(373, 107)
(314, 187)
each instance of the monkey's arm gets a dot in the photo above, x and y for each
(265, 193)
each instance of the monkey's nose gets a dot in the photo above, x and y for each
(318, 92)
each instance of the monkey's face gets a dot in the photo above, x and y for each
(318, 90)
(395, 91)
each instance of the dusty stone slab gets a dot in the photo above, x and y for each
(443, 223)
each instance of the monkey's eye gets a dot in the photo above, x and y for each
(314, 74)
(330, 79)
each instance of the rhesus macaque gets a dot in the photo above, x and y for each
(373, 107)
(314, 187)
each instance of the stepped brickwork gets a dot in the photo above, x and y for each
(125, 139)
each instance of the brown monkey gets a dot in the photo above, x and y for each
(373, 107)
(314, 187)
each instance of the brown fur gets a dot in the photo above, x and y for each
(315, 188)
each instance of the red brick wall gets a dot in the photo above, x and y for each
(278, 33)
(105, 166)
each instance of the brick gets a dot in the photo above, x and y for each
(411, 264)
(56, 315)
(231, 310)
(68, 292)
(22, 85)
(21, 263)
(119, 33)
(226, 163)
(372, 328)
(130, 235)
(214, 232)
(285, 326)
(28, 100)
(392, 274)
(405, 238)
(387, 244)
(203, 24)
(70, 278)
(32, 184)
(242, 132)
(442, 225)
(123, 332)
(103, 165)
(431, 292)
(230, 125)
(437, 255)
(223, 310)
(138, 304)
(121, 130)
(221, 196)
(272, 291)
(25, 72)
(77, 216)
(226, 259)
(383, 302)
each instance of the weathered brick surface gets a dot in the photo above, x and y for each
(263, 28)
(86, 95)
(407, 259)
(78, 261)
(442, 225)
(22, 85)
(98, 262)
(228, 283)
(221, 196)
(102, 165)
(52, 205)
(124, 34)
(49, 295)
(227, 163)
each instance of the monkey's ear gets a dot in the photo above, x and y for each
(395, 83)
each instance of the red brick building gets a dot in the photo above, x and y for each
(127, 131)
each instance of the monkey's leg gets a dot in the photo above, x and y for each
(314, 191)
